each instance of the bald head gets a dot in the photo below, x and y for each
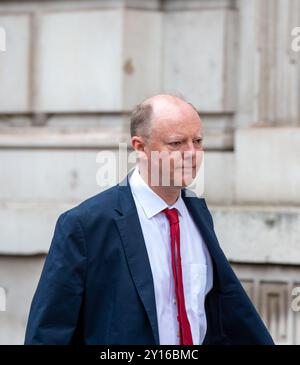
(156, 109)
(163, 100)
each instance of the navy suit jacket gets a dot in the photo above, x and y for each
(96, 286)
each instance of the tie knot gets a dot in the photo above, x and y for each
(172, 215)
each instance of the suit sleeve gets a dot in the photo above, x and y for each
(57, 301)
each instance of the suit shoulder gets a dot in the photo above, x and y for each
(104, 199)
(100, 204)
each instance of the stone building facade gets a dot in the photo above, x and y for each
(71, 72)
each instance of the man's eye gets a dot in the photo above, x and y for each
(198, 141)
(175, 144)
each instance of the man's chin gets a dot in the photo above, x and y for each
(187, 182)
(188, 177)
(184, 181)
(180, 179)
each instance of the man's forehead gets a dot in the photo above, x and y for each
(174, 113)
(175, 117)
(180, 130)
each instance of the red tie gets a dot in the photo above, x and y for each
(184, 325)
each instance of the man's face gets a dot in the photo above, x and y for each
(174, 149)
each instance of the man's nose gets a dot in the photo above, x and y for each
(190, 149)
(189, 154)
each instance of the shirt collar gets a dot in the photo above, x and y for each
(150, 202)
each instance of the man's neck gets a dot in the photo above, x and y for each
(168, 194)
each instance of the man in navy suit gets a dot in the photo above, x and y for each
(140, 262)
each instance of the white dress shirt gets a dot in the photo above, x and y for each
(196, 262)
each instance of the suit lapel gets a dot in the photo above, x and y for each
(198, 211)
(225, 278)
(136, 254)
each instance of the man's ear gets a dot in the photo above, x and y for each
(138, 143)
